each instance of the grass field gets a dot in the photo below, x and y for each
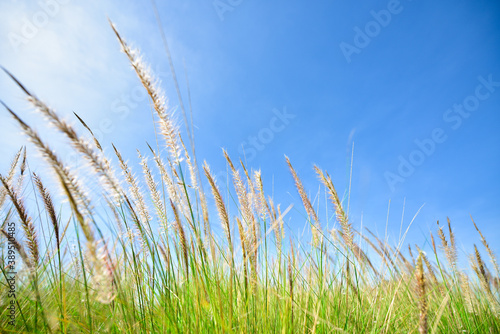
(164, 270)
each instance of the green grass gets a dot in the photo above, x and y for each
(150, 261)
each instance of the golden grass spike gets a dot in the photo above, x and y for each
(483, 277)
(433, 244)
(243, 242)
(26, 222)
(448, 250)
(248, 217)
(466, 291)
(277, 228)
(263, 205)
(315, 225)
(49, 207)
(421, 294)
(171, 187)
(253, 202)
(182, 238)
(342, 218)
(137, 196)
(430, 269)
(491, 254)
(241, 193)
(221, 207)
(453, 247)
(155, 194)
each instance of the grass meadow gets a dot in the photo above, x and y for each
(146, 258)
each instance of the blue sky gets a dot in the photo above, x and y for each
(308, 80)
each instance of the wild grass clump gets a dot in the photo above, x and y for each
(141, 255)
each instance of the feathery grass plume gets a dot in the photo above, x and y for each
(491, 254)
(173, 193)
(466, 292)
(224, 218)
(248, 218)
(221, 207)
(98, 162)
(155, 195)
(136, 194)
(49, 207)
(204, 212)
(241, 231)
(10, 175)
(251, 194)
(171, 189)
(241, 192)
(69, 183)
(276, 225)
(167, 125)
(193, 175)
(182, 238)
(263, 205)
(448, 249)
(453, 246)
(103, 277)
(315, 225)
(26, 222)
(481, 272)
(347, 230)
(421, 294)
(430, 269)
(433, 244)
